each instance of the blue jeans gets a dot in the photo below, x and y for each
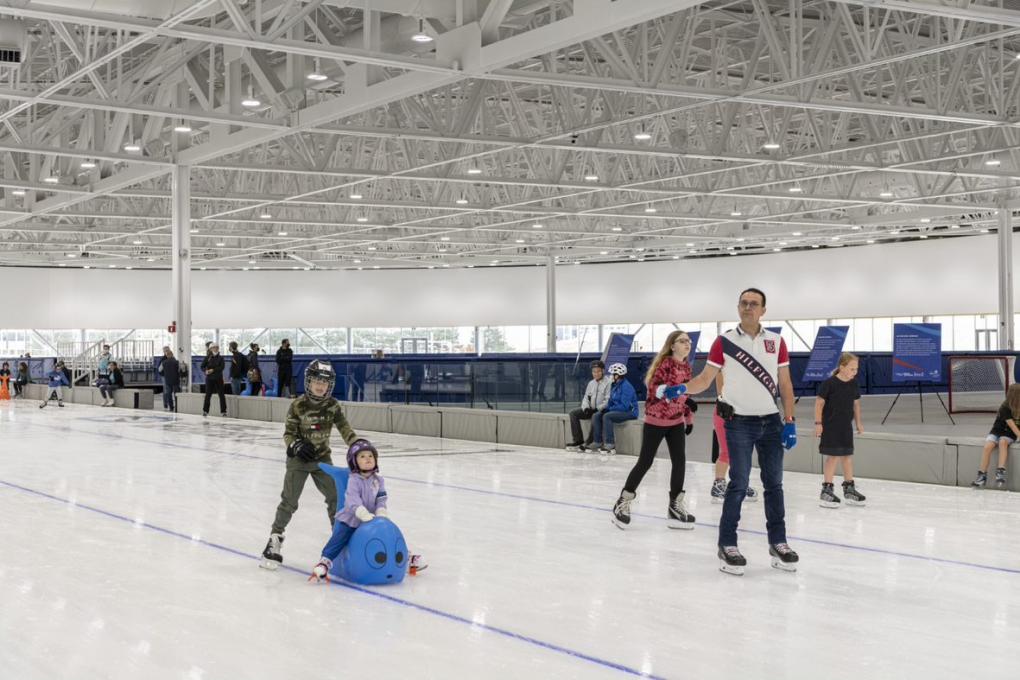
(743, 435)
(169, 392)
(605, 421)
(237, 386)
(341, 537)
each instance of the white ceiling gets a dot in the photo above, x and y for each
(589, 131)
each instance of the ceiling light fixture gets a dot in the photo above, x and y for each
(650, 209)
(266, 216)
(182, 127)
(356, 196)
(282, 233)
(617, 228)
(250, 102)
(992, 162)
(362, 219)
(461, 201)
(770, 146)
(795, 190)
(591, 178)
(421, 36)
(886, 194)
(642, 136)
(474, 171)
(17, 192)
(220, 244)
(51, 180)
(537, 226)
(88, 165)
(132, 147)
(317, 75)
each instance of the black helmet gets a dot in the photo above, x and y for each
(319, 370)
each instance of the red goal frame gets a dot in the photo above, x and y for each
(983, 357)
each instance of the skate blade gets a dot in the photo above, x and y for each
(783, 566)
(620, 525)
(828, 504)
(271, 565)
(730, 569)
(717, 501)
(676, 524)
(856, 504)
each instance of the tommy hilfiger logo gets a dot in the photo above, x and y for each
(770, 346)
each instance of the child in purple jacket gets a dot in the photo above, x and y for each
(364, 501)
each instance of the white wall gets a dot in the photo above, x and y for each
(945, 276)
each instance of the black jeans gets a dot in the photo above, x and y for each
(283, 381)
(576, 416)
(210, 387)
(651, 437)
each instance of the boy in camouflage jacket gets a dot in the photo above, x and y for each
(309, 423)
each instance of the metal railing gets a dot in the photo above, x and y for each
(130, 354)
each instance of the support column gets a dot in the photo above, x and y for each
(181, 272)
(1007, 341)
(550, 305)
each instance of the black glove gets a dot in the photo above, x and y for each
(693, 405)
(689, 429)
(302, 449)
(589, 412)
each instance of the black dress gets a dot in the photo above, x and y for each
(838, 416)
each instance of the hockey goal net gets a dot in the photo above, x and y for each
(978, 384)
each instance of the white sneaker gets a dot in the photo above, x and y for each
(609, 450)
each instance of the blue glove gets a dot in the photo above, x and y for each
(671, 392)
(789, 435)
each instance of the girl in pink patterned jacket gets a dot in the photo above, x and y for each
(670, 416)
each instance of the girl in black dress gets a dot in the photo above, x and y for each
(837, 409)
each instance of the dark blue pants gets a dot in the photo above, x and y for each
(341, 536)
(743, 435)
(602, 425)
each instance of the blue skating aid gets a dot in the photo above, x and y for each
(377, 553)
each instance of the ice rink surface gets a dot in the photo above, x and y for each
(131, 543)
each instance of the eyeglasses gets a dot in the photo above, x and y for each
(749, 304)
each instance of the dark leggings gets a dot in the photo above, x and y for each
(651, 437)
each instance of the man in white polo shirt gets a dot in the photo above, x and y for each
(756, 370)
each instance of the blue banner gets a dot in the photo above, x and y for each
(617, 349)
(825, 353)
(917, 352)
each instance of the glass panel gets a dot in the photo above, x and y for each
(882, 333)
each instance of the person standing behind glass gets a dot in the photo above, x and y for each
(171, 370)
(238, 369)
(212, 366)
(284, 369)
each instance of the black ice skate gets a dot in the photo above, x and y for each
(783, 557)
(852, 495)
(1000, 478)
(271, 557)
(731, 561)
(621, 511)
(828, 498)
(980, 481)
(677, 516)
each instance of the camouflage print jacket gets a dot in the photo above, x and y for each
(312, 421)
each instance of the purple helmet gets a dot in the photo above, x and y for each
(357, 447)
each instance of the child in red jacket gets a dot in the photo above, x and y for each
(670, 416)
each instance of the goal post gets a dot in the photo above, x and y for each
(978, 383)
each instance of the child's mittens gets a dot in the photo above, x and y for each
(363, 514)
(381, 512)
(670, 392)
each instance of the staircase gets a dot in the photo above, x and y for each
(133, 356)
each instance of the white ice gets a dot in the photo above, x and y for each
(130, 539)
